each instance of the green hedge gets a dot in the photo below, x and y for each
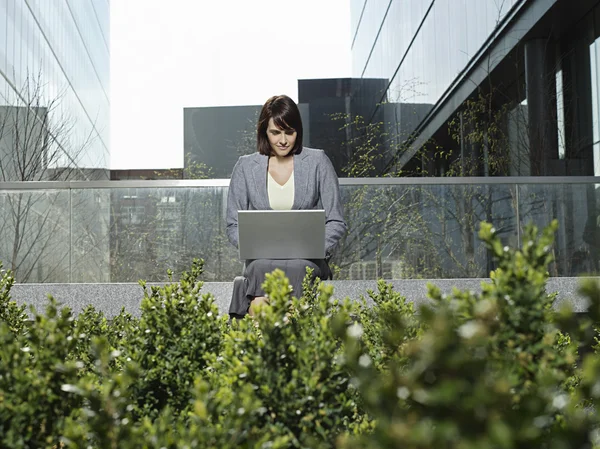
(499, 369)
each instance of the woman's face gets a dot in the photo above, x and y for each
(282, 141)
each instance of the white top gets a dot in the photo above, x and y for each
(281, 197)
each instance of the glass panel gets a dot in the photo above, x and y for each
(90, 237)
(395, 231)
(152, 230)
(35, 230)
(356, 7)
(595, 74)
(577, 245)
(370, 24)
(60, 53)
(422, 231)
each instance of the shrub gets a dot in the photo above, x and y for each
(276, 381)
(525, 340)
(33, 370)
(499, 369)
(279, 378)
(91, 324)
(105, 419)
(178, 330)
(486, 372)
(13, 316)
(389, 320)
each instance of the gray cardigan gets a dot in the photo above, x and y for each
(316, 186)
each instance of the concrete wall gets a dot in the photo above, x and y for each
(110, 298)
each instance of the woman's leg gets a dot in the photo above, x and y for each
(295, 270)
(254, 271)
(256, 303)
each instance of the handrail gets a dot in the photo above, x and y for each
(182, 183)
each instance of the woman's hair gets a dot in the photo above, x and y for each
(285, 115)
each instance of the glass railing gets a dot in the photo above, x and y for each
(399, 228)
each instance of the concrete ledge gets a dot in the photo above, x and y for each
(110, 298)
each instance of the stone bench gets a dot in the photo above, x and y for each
(110, 298)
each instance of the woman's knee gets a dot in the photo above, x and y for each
(257, 303)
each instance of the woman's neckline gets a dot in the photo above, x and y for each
(285, 183)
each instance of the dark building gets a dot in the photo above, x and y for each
(332, 111)
(342, 119)
(218, 136)
(337, 107)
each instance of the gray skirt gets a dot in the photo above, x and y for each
(249, 286)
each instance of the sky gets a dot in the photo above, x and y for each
(166, 56)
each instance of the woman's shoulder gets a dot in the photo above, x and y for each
(253, 157)
(314, 153)
(318, 157)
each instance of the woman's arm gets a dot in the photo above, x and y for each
(329, 193)
(237, 199)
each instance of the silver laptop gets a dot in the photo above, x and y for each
(281, 234)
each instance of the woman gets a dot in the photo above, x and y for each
(282, 175)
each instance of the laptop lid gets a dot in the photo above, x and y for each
(281, 234)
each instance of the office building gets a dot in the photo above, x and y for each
(521, 75)
(54, 125)
(54, 57)
(503, 88)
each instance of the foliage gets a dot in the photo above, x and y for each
(12, 315)
(91, 324)
(179, 328)
(389, 320)
(192, 169)
(283, 373)
(400, 223)
(480, 126)
(33, 371)
(486, 372)
(498, 369)
(430, 231)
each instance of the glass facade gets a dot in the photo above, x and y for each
(508, 88)
(55, 56)
(421, 46)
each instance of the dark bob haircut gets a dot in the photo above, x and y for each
(286, 116)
